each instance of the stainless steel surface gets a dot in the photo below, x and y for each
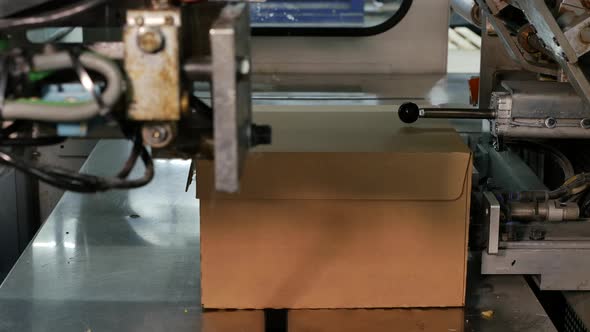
(356, 90)
(417, 45)
(231, 94)
(71, 155)
(558, 269)
(534, 109)
(118, 261)
(538, 99)
(153, 70)
(492, 212)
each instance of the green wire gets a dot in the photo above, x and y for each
(36, 76)
(49, 103)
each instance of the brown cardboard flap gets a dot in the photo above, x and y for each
(377, 320)
(349, 155)
(374, 176)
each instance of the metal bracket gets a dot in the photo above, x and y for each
(558, 269)
(230, 47)
(512, 47)
(492, 209)
(152, 61)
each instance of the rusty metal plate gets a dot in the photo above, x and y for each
(154, 73)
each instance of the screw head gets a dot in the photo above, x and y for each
(244, 66)
(158, 135)
(150, 40)
(139, 20)
(550, 122)
(585, 123)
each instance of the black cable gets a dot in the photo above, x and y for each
(17, 126)
(85, 183)
(40, 141)
(53, 16)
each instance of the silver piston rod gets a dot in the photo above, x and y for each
(410, 113)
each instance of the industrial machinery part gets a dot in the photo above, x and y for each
(552, 210)
(410, 113)
(231, 95)
(562, 45)
(152, 61)
(537, 109)
(30, 110)
(468, 10)
(523, 109)
(530, 227)
(149, 99)
(536, 236)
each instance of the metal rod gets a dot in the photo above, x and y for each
(456, 113)
(410, 113)
(198, 69)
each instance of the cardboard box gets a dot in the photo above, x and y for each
(233, 321)
(377, 320)
(345, 210)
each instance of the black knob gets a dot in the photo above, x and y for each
(260, 135)
(409, 112)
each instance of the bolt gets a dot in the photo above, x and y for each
(585, 34)
(158, 135)
(260, 135)
(585, 123)
(244, 66)
(550, 123)
(150, 40)
(139, 20)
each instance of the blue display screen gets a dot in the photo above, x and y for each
(322, 13)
